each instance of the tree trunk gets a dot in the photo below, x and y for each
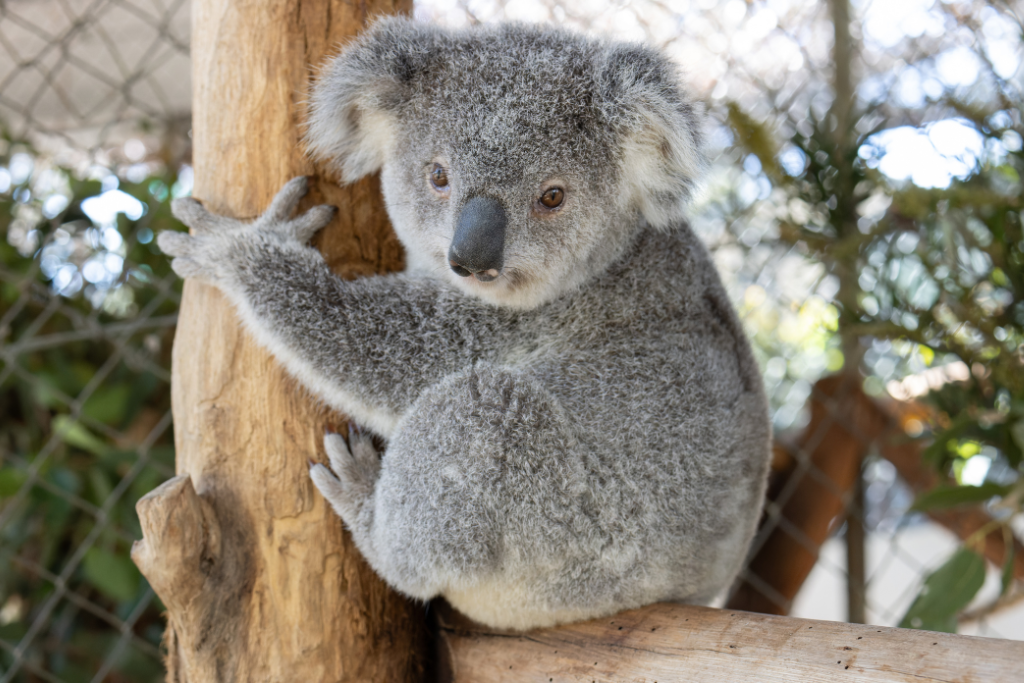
(260, 581)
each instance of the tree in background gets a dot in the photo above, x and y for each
(897, 167)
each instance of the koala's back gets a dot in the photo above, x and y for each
(659, 486)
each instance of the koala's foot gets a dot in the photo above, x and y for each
(353, 473)
(218, 242)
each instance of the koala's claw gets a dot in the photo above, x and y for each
(356, 462)
(302, 228)
(188, 261)
(354, 470)
(331, 489)
(209, 251)
(174, 243)
(287, 199)
(193, 214)
(360, 444)
(308, 224)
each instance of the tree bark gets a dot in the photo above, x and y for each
(259, 579)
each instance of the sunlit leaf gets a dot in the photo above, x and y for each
(1007, 574)
(946, 592)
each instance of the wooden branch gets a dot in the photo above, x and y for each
(669, 643)
(843, 424)
(260, 581)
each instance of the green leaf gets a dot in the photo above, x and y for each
(114, 575)
(953, 496)
(946, 591)
(1011, 549)
(946, 441)
(10, 481)
(756, 137)
(75, 434)
(108, 404)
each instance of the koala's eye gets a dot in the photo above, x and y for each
(439, 177)
(552, 198)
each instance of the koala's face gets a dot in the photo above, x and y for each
(503, 190)
(517, 162)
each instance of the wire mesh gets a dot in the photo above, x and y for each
(88, 313)
(94, 105)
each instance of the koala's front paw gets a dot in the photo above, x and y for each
(353, 473)
(208, 254)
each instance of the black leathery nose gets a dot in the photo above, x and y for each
(479, 242)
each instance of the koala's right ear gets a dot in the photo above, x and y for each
(659, 132)
(353, 107)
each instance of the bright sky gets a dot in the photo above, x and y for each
(929, 157)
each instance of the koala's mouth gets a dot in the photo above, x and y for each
(481, 276)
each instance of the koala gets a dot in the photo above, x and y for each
(573, 418)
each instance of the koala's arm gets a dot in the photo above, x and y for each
(367, 347)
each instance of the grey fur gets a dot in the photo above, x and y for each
(588, 432)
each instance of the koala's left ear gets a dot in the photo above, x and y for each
(354, 103)
(658, 129)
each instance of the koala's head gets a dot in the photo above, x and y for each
(516, 161)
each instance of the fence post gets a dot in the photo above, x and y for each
(260, 582)
(856, 558)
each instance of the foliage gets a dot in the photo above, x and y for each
(86, 320)
(924, 277)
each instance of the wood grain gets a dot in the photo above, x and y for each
(669, 643)
(281, 594)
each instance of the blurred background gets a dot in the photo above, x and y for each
(864, 208)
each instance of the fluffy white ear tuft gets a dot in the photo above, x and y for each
(353, 105)
(659, 131)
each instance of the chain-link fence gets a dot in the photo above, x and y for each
(94, 109)
(851, 169)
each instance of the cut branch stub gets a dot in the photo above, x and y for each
(182, 556)
(180, 538)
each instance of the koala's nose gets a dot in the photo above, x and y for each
(478, 247)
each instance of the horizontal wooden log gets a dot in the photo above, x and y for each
(668, 643)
